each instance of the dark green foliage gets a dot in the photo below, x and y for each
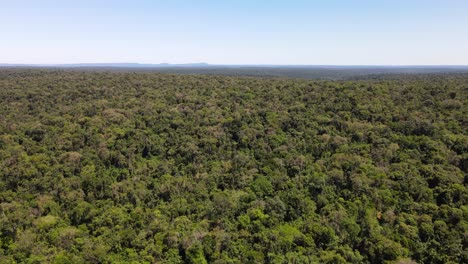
(108, 167)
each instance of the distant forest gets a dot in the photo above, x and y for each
(112, 166)
(268, 71)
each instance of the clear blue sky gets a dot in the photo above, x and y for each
(334, 32)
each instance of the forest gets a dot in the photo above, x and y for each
(146, 167)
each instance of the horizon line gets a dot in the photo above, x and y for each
(120, 64)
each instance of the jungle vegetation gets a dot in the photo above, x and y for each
(121, 167)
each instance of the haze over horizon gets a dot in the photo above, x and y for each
(209, 65)
(364, 32)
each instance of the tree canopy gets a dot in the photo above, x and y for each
(121, 167)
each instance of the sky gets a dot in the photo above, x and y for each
(289, 32)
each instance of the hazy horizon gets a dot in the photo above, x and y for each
(204, 64)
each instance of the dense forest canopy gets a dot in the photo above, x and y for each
(115, 167)
(315, 72)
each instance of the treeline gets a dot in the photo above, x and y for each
(106, 167)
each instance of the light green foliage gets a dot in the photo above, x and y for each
(119, 167)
